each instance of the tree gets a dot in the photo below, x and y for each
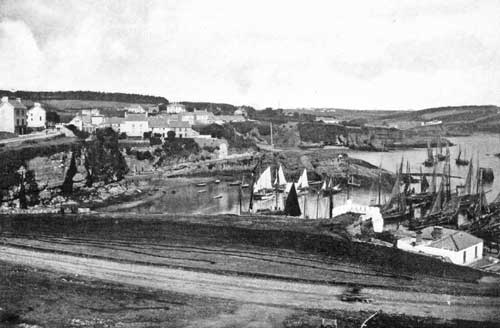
(103, 159)
(52, 117)
(170, 135)
(67, 187)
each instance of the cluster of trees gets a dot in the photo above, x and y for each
(102, 158)
(85, 95)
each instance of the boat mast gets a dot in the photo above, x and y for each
(379, 187)
(272, 142)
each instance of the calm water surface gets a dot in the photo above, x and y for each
(189, 199)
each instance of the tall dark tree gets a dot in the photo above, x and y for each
(67, 187)
(103, 159)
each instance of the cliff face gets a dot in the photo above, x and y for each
(368, 137)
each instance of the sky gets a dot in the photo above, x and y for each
(384, 54)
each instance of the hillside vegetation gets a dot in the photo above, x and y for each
(85, 95)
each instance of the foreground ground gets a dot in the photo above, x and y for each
(228, 271)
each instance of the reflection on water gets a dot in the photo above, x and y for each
(190, 200)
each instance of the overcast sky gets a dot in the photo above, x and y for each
(387, 54)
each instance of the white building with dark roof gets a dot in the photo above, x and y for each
(458, 247)
(176, 108)
(13, 116)
(37, 117)
(161, 127)
(135, 125)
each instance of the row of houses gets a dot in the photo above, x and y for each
(15, 117)
(136, 124)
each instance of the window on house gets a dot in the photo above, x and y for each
(475, 252)
(465, 256)
(40, 118)
(18, 122)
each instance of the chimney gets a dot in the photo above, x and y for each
(418, 237)
(5, 99)
(437, 233)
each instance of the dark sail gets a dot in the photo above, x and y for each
(424, 184)
(292, 207)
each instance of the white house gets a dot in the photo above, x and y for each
(175, 108)
(161, 127)
(13, 116)
(459, 247)
(135, 125)
(37, 117)
(197, 117)
(136, 109)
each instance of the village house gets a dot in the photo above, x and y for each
(135, 109)
(198, 117)
(37, 117)
(458, 247)
(88, 120)
(221, 119)
(135, 125)
(161, 127)
(13, 116)
(175, 108)
(114, 123)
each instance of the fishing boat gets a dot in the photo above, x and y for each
(395, 210)
(280, 180)
(429, 162)
(201, 191)
(217, 181)
(218, 197)
(461, 161)
(201, 184)
(330, 188)
(439, 154)
(303, 183)
(235, 183)
(263, 188)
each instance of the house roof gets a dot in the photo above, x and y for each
(452, 240)
(158, 122)
(17, 104)
(114, 120)
(135, 118)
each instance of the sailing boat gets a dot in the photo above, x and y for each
(459, 161)
(303, 183)
(395, 209)
(280, 181)
(429, 162)
(292, 207)
(440, 156)
(263, 188)
(330, 188)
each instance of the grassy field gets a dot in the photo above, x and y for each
(288, 249)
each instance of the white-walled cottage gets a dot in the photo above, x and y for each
(459, 247)
(13, 116)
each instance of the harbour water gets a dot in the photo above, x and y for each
(222, 198)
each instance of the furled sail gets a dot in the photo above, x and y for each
(468, 179)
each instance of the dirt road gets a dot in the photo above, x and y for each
(260, 291)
